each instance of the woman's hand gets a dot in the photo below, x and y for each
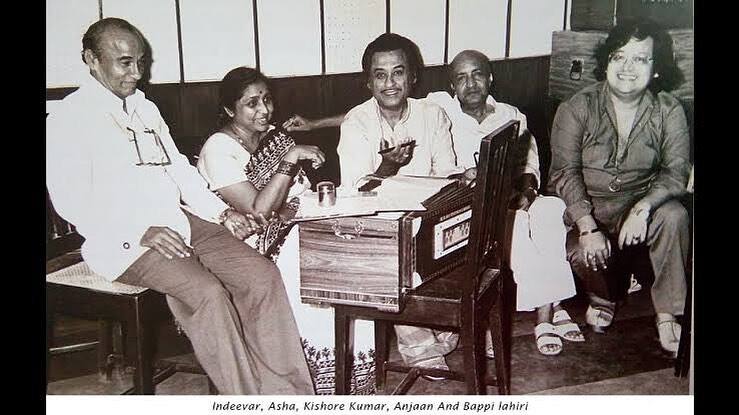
(634, 229)
(596, 249)
(241, 226)
(306, 152)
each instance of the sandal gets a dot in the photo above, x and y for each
(565, 328)
(599, 317)
(546, 335)
(669, 335)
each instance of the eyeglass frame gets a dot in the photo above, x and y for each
(158, 142)
(635, 59)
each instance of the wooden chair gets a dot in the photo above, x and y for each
(73, 289)
(466, 300)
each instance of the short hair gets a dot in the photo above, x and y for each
(92, 38)
(471, 53)
(670, 75)
(232, 88)
(387, 42)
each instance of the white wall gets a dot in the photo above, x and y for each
(218, 35)
(532, 24)
(66, 22)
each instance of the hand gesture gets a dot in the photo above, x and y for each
(634, 229)
(401, 154)
(241, 226)
(306, 152)
(298, 123)
(165, 241)
(596, 249)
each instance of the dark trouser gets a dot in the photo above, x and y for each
(233, 307)
(667, 244)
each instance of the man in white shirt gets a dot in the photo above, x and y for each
(392, 134)
(148, 219)
(538, 257)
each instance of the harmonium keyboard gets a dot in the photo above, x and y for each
(373, 261)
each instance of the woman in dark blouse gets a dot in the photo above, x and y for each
(620, 161)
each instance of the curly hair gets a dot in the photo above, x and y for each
(387, 42)
(665, 66)
(232, 87)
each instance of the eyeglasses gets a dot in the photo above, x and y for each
(620, 57)
(149, 148)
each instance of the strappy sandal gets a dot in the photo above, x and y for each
(599, 317)
(546, 335)
(669, 335)
(565, 328)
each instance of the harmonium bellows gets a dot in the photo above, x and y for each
(371, 261)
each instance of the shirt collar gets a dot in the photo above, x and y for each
(606, 105)
(103, 98)
(402, 119)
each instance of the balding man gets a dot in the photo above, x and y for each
(538, 256)
(148, 219)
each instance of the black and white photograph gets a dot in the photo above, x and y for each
(305, 198)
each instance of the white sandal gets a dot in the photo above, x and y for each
(566, 328)
(546, 335)
(669, 335)
(599, 317)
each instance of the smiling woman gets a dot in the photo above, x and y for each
(253, 166)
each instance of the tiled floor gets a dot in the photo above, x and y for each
(627, 360)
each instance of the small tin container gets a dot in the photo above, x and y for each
(326, 194)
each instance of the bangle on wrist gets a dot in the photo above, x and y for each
(589, 231)
(287, 168)
(224, 215)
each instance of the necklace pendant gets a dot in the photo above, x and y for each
(615, 184)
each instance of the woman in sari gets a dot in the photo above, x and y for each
(255, 168)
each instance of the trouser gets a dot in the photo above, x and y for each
(537, 254)
(667, 243)
(232, 304)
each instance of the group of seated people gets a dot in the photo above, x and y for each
(620, 161)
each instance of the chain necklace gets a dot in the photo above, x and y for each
(241, 141)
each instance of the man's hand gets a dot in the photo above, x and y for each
(401, 154)
(634, 229)
(165, 241)
(298, 123)
(596, 249)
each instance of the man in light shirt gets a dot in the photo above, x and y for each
(538, 256)
(148, 219)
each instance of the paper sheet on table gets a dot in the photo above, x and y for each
(348, 203)
(405, 193)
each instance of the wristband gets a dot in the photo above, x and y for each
(287, 168)
(589, 231)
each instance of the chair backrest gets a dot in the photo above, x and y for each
(61, 236)
(490, 201)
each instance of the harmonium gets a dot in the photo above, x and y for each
(372, 261)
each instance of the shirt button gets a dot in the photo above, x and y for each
(126, 245)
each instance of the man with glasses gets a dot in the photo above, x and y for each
(148, 219)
